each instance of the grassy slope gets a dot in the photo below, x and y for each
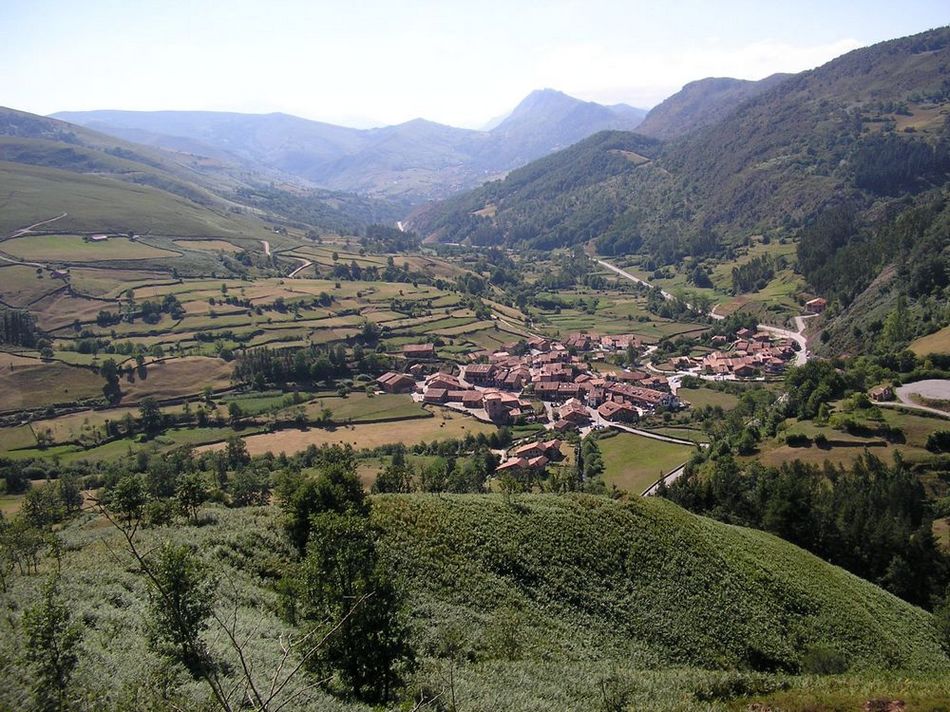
(644, 579)
(94, 203)
(554, 593)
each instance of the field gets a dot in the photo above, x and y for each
(179, 377)
(21, 285)
(359, 407)
(935, 343)
(31, 383)
(701, 397)
(844, 447)
(633, 462)
(73, 248)
(208, 245)
(100, 204)
(445, 425)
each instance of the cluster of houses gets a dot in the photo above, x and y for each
(532, 456)
(751, 354)
(505, 386)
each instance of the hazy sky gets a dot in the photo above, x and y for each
(461, 63)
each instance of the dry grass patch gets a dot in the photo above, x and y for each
(443, 426)
(179, 377)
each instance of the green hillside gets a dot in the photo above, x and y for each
(102, 203)
(111, 183)
(865, 127)
(646, 581)
(550, 602)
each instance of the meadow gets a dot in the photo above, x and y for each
(632, 462)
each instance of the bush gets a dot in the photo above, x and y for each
(797, 440)
(939, 441)
(823, 660)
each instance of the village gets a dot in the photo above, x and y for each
(552, 383)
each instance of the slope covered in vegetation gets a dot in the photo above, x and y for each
(592, 576)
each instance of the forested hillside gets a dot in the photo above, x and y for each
(702, 103)
(851, 159)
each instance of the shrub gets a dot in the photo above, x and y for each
(823, 660)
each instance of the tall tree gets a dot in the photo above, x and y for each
(52, 648)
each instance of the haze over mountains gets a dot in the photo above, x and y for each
(415, 161)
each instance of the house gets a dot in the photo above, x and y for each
(538, 462)
(496, 408)
(816, 306)
(479, 373)
(419, 351)
(744, 370)
(744, 334)
(546, 390)
(392, 382)
(435, 395)
(472, 399)
(618, 412)
(529, 450)
(564, 425)
(881, 393)
(567, 390)
(514, 463)
(574, 412)
(444, 380)
(552, 449)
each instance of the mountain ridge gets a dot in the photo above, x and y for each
(415, 160)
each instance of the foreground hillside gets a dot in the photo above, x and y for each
(551, 602)
(645, 580)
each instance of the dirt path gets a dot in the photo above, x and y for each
(26, 230)
(301, 268)
(266, 245)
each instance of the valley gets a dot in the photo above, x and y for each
(593, 408)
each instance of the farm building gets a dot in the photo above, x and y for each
(392, 382)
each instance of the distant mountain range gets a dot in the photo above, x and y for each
(411, 162)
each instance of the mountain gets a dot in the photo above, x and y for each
(413, 161)
(48, 166)
(548, 119)
(867, 131)
(702, 103)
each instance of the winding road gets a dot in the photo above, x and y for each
(801, 356)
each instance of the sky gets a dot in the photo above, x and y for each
(364, 63)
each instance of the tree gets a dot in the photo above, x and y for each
(191, 493)
(150, 416)
(335, 489)
(180, 605)
(110, 371)
(127, 499)
(70, 493)
(52, 648)
(340, 579)
(236, 452)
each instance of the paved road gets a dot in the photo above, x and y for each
(800, 357)
(913, 406)
(668, 478)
